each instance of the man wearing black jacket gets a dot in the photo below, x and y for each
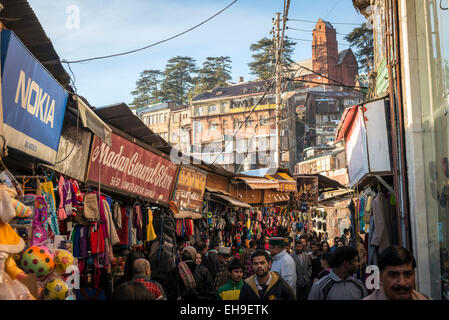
(265, 284)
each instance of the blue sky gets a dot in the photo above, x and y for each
(111, 26)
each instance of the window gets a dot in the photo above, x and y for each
(213, 126)
(236, 123)
(212, 109)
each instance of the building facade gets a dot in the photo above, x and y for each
(415, 33)
(323, 113)
(235, 127)
(167, 119)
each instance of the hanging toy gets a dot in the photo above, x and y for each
(238, 240)
(209, 218)
(38, 260)
(40, 218)
(22, 210)
(56, 289)
(63, 259)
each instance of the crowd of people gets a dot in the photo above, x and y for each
(276, 268)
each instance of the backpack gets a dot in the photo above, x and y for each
(330, 283)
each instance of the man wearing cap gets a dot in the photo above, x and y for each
(283, 263)
(224, 254)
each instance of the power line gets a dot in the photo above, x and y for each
(310, 31)
(330, 84)
(309, 21)
(342, 43)
(322, 75)
(146, 47)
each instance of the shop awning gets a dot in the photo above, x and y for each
(325, 184)
(286, 183)
(232, 201)
(188, 215)
(216, 190)
(346, 121)
(93, 122)
(260, 183)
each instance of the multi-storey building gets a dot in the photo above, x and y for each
(323, 114)
(218, 114)
(158, 118)
(180, 126)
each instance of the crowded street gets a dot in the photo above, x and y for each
(199, 151)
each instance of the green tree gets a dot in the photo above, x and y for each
(179, 78)
(264, 59)
(362, 39)
(147, 88)
(215, 72)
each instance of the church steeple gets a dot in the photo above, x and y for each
(325, 50)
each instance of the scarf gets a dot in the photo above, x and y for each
(184, 271)
(186, 276)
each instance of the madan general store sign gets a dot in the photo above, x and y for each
(131, 168)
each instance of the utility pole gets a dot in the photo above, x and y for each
(278, 71)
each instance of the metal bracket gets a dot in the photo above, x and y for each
(385, 184)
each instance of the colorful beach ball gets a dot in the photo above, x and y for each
(56, 289)
(38, 260)
(63, 259)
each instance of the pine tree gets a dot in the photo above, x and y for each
(264, 58)
(179, 78)
(147, 88)
(215, 72)
(362, 38)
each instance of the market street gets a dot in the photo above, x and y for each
(205, 152)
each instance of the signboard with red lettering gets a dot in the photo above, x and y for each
(132, 169)
(190, 189)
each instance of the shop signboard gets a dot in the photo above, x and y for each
(356, 150)
(130, 168)
(73, 151)
(307, 190)
(377, 137)
(382, 81)
(34, 102)
(190, 189)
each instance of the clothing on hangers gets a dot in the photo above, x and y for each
(49, 195)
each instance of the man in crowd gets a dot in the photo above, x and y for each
(397, 276)
(303, 240)
(142, 274)
(211, 260)
(288, 244)
(246, 259)
(336, 239)
(222, 277)
(282, 262)
(339, 283)
(346, 237)
(231, 290)
(303, 271)
(315, 258)
(265, 284)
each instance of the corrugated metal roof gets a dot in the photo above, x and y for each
(253, 87)
(20, 18)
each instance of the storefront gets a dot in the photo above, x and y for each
(424, 30)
